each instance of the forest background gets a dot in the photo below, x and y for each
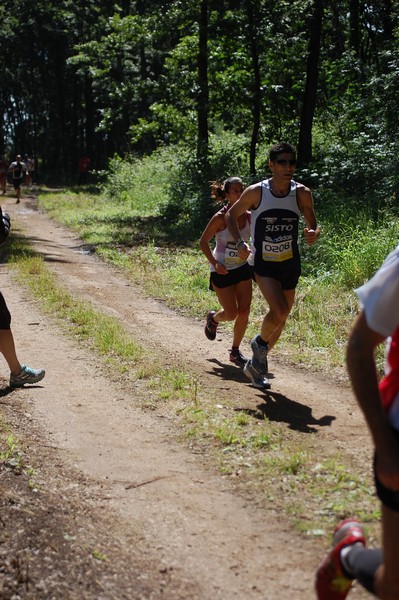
(165, 97)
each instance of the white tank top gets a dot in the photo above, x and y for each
(225, 251)
(274, 227)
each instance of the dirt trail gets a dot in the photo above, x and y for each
(191, 536)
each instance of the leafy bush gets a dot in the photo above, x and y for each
(352, 246)
(130, 177)
(190, 205)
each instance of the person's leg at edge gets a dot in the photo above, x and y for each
(7, 348)
(374, 569)
(386, 581)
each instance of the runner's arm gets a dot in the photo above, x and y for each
(360, 358)
(305, 203)
(248, 199)
(216, 223)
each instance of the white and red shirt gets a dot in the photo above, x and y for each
(380, 301)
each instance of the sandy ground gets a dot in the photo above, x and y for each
(120, 507)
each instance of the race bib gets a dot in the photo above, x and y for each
(277, 251)
(231, 258)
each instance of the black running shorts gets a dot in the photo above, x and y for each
(388, 497)
(5, 316)
(287, 275)
(233, 277)
(17, 182)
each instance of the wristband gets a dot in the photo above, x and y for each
(239, 242)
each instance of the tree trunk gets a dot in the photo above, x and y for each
(203, 92)
(257, 102)
(310, 94)
(354, 33)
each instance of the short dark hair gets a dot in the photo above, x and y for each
(280, 148)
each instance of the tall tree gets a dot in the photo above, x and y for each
(310, 94)
(203, 88)
(253, 19)
(354, 29)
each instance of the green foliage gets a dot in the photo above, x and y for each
(129, 178)
(359, 250)
(175, 184)
(11, 454)
(189, 203)
(118, 78)
(353, 243)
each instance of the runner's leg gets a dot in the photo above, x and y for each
(227, 299)
(280, 303)
(243, 294)
(290, 297)
(387, 576)
(7, 348)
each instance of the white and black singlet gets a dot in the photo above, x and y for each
(274, 235)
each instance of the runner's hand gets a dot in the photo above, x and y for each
(221, 269)
(243, 251)
(311, 236)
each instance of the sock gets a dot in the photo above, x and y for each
(261, 342)
(361, 563)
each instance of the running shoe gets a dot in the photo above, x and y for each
(257, 379)
(332, 583)
(210, 325)
(259, 357)
(26, 375)
(237, 357)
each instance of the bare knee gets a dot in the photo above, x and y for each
(279, 314)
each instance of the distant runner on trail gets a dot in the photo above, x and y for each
(3, 175)
(230, 275)
(18, 169)
(84, 168)
(276, 205)
(376, 569)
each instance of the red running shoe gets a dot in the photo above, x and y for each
(210, 325)
(332, 583)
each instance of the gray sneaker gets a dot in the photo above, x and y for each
(258, 380)
(259, 357)
(26, 375)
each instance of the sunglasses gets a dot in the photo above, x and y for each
(285, 161)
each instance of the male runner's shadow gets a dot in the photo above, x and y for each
(275, 406)
(279, 408)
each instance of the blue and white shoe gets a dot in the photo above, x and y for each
(258, 380)
(26, 375)
(259, 357)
